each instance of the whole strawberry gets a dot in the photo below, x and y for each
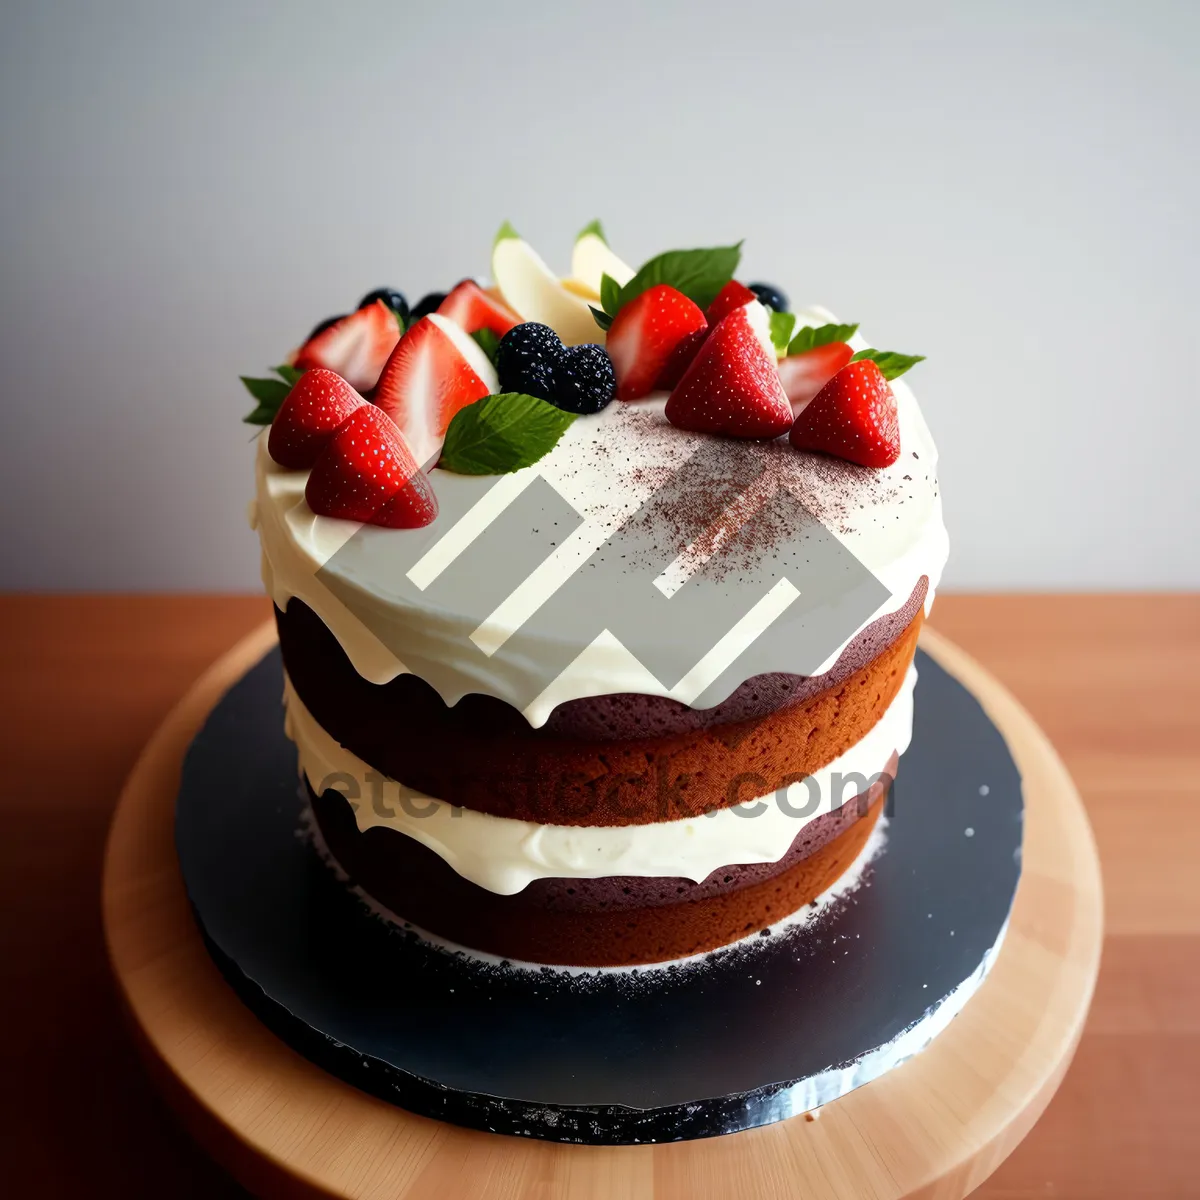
(308, 418)
(852, 417)
(368, 473)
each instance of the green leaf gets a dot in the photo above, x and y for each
(782, 324)
(610, 294)
(698, 274)
(592, 227)
(289, 374)
(270, 394)
(502, 433)
(505, 231)
(488, 340)
(601, 318)
(891, 364)
(810, 337)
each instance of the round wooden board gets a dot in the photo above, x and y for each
(935, 1127)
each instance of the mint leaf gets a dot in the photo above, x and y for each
(270, 394)
(610, 294)
(289, 374)
(601, 318)
(502, 433)
(810, 337)
(505, 231)
(782, 325)
(488, 341)
(698, 274)
(593, 227)
(891, 364)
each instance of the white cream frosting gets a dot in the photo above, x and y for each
(503, 855)
(606, 467)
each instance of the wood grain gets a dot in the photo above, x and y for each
(1114, 681)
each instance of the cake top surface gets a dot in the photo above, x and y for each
(543, 489)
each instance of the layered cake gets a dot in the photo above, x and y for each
(597, 598)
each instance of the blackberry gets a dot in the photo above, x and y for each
(325, 324)
(427, 304)
(527, 360)
(770, 295)
(585, 381)
(393, 299)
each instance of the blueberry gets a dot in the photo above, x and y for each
(325, 324)
(770, 295)
(427, 304)
(585, 380)
(527, 360)
(393, 299)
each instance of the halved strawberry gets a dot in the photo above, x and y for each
(852, 417)
(654, 334)
(474, 309)
(804, 375)
(356, 347)
(435, 370)
(367, 473)
(310, 415)
(732, 386)
(732, 295)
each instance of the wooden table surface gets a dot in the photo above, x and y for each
(1114, 681)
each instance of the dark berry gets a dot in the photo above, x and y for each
(326, 324)
(393, 299)
(427, 304)
(585, 380)
(770, 295)
(527, 360)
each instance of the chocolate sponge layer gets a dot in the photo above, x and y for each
(598, 922)
(483, 755)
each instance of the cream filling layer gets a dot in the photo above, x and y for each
(503, 855)
(606, 466)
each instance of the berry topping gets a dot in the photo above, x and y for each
(852, 417)
(732, 386)
(526, 359)
(314, 410)
(475, 309)
(585, 381)
(770, 296)
(652, 339)
(732, 295)
(356, 347)
(393, 299)
(531, 359)
(435, 370)
(367, 473)
(804, 375)
(427, 304)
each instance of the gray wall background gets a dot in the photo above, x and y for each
(1011, 189)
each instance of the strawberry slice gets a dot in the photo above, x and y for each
(308, 418)
(732, 295)
(356, 347)
(367, 473)
(852, 417)
(804, 375)
(652, 339)
(733, 386)
(436, 369)
(474, 309)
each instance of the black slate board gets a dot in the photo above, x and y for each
(711, 1046)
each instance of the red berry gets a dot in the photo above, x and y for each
(732, 295)
(311, 414)
(804, 375)
(356, 347)
(852, 417)
(732, 386)
(652, 339)
(474, 309)
(368, 473)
